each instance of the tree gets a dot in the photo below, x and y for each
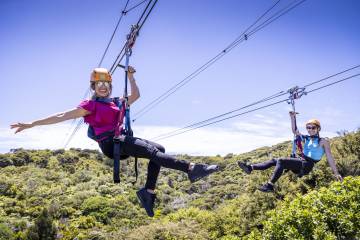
(43, 229)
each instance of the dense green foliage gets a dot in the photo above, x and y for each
(70, 194)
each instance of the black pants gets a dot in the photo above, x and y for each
(141, 148)
(296, 165)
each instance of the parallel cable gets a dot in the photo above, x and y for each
(174, 88)
(147, 15)
(333, 83)
(326, 78)
(238, 40)
(210, 122)
(268, 21)
(221, 120)
(123, 12)
(73, 122)
(282, 93)
(133, 7)
(78, 126)
(121, 55)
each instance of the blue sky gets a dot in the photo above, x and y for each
(48, 49)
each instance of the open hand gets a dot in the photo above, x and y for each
(21, 126)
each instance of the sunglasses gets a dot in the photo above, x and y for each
(106, 84)
(311, 127)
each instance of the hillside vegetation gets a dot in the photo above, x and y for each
(59, 194)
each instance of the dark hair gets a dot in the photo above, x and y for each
(92, 86)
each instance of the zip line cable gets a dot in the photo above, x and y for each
(282, 93)
(223, 119)
(268, 21)
(326, 78)
(333, 83)
(78, 126)
(88, 91)
(210, 122)
(80, 122)
(76, 121)
(121, 55)
(241, 38)
(137, 5)
(123, 12)
(163, 96)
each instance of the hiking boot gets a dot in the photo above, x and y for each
(267, 187)
(201, 170)
(246, 168)
(147, 201)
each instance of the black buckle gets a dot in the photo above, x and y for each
(116, 139)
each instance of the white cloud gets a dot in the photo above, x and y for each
(241, 136)
(43, 137)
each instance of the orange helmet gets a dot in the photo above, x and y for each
(314, 122)
(100, 74)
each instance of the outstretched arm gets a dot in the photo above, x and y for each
(293, 123)
(56, 118)
(330, 159)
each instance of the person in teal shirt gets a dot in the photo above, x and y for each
(314, 149)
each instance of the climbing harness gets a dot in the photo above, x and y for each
(294, 94)
(124, 127)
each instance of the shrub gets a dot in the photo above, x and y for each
(99, 207)
(182, 230)
(5, 232)
(330, 213)
(5, 160)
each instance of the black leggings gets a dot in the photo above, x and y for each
(141, 148)
(296, 165)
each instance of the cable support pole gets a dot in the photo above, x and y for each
(240, 39)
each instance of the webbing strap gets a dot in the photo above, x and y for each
(116, 171)
(136, 170)
(124, 114)
(296, 93)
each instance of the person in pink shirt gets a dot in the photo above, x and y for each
(102, 114)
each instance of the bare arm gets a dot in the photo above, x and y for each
(330, 158)
(135, 93)
(56, 118)
(293, 125)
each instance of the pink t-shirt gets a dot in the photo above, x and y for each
(103, 117)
